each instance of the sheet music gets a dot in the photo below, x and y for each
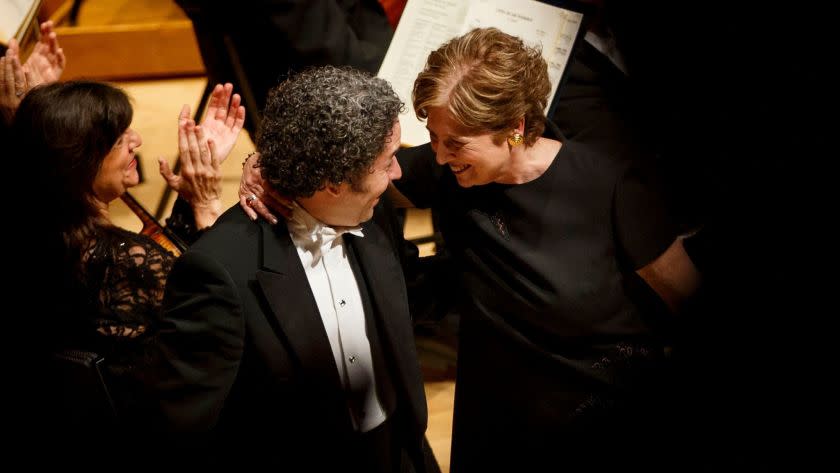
(426, 24)
(14, 14)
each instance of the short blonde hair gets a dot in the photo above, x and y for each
(487, 80)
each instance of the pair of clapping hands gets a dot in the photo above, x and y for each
(202, 149)
(43, 66)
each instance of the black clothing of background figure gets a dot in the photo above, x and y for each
(595, 104)
(602, 104)
(734, 91)
(599, 106)
(273, 38)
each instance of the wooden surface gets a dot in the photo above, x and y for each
(143, 50)
(119, 39)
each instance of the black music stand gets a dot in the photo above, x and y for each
(223, 65)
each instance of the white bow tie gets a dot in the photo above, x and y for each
(312, 235)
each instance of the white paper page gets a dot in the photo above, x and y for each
(427, 24)
(13, 14)
(536, 23)
(423, 27)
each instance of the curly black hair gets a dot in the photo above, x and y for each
(324, 125)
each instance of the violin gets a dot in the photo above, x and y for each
(153, 229)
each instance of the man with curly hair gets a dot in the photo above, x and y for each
(290, 345)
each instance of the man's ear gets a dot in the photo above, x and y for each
(334, 190)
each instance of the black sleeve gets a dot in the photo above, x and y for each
(202, 340)
(421, 176)
(181, 222)
(643, 226)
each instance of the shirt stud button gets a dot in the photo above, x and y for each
(352, 359)
(342, 303)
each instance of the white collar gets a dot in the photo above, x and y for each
(312, 235)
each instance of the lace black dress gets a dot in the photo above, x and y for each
(111, 304)
(120, 292)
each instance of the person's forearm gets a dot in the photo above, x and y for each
(206, 214)
(672, 275)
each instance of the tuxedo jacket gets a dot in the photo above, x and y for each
(248, 372)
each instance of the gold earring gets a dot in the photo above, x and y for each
(515, 139)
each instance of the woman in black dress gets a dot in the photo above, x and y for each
(556, 360)
(105, 283)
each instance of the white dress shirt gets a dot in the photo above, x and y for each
(324, 257)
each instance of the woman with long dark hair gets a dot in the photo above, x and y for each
(106, 282)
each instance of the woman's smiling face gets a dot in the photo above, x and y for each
(475, 160)
(118, 171)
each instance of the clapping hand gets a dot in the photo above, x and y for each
(14, 82)
(224, 119)
(47, 61)
(200, 178)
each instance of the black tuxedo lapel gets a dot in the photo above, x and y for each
(286, 288)
(384, 278)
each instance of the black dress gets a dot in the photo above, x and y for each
(552, 351)
(120, 291)
(109, 304)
